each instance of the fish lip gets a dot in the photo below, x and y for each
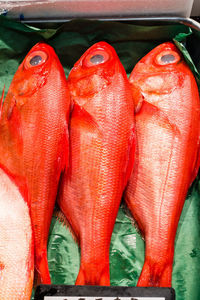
(41, 46)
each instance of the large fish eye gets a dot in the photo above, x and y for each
(36, 58)
(96, 58)
(167, 57)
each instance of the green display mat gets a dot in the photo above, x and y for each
(131, 43)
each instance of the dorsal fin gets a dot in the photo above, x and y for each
(1, 102)
(196, 164)
(131, 155)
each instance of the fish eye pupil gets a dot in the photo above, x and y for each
(168, 58)
(35, 60)
(97, 59)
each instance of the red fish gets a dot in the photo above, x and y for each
(34, 139)
(16, 243)
(102, 143)
(167, 160)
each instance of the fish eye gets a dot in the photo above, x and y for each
(96, 58)
(167, 57)
(36, 58)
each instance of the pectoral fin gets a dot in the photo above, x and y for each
(14, 126)
(83, 119)
(138, 98)
(161, 117)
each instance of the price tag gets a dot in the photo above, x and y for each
(64, 292)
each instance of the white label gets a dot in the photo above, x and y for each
(101, 298)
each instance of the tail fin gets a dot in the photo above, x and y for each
(91, 275)
(41, 265)
(81, 278)
(157, 275)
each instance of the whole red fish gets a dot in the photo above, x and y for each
(34, 139)
(167, 158)
(16, 243)
(102, 143)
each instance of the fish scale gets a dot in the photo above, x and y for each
(34, 140)
(167, 159)
(102, 144)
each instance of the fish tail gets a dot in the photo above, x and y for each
(159, 255)
(42, 268)
(105, 279)
(166, 276)
(81, 278)
(90, 275)
(156, 274)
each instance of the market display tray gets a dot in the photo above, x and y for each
(70, 292)
(63, 292)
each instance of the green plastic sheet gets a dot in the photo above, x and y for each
(132, 42)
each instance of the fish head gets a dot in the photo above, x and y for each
(93, 71)
(31, 75)
(36, 77)
(160, 72)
